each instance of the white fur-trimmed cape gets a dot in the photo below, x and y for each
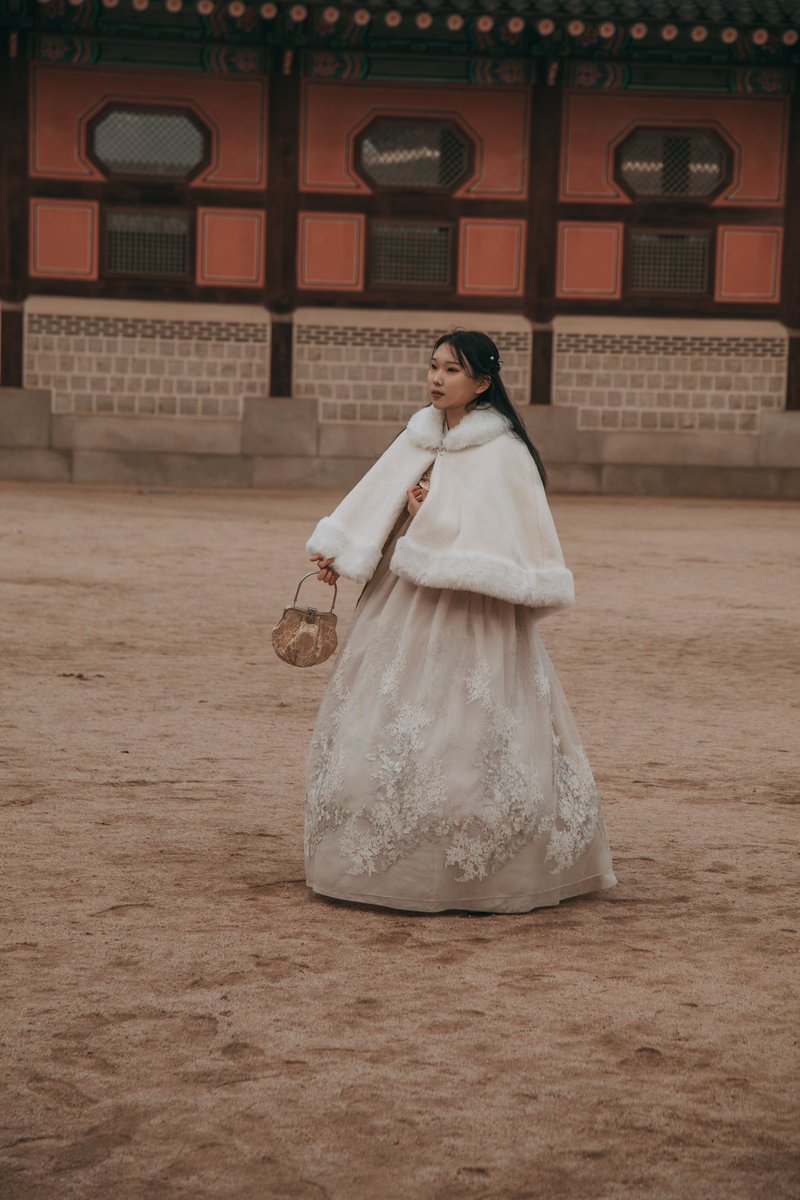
(485, 525)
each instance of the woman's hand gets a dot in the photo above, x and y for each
(326, 572)
(416, 496)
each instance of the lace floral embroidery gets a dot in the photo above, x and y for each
(407, 802)
(514, 809)
(542, 682)
(326, 774)
(578, 806)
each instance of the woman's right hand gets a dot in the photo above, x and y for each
(326, 572)
(416, 497)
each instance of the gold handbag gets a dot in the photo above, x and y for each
(304, 637)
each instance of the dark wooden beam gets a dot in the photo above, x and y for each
(790, 281)
(280, 293)
(793, 374)
(13, 206)
(542, 366)
(681, 216)
(544, 157)
(672, 304)
(280, 374)
(12, 348)
(540, 267)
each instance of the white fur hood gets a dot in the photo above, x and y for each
(485, 525)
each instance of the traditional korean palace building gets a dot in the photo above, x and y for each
(230, 231)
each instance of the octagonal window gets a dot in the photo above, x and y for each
(149, 143)
(673, 164)
(424, 154)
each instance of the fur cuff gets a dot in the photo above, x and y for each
(547, 587)
(354, 559)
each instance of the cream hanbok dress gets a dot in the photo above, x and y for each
(445, 770)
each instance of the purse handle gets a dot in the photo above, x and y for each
(302, 581)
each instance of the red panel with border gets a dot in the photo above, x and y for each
(749, 264)
(589, 260)
(491, 258)
(230, 247)
(330, 252)
(594, 125)
(64, 239)
(495, 119)
(63, 101)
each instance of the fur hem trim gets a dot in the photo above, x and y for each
(428, 430)
(355, 560)
(544, 587)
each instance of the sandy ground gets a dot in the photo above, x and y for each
(182, 1018)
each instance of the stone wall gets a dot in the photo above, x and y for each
(366, 366)
(177, 395)
(669, 376)
(141, 359)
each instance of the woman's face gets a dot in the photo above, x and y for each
(449, 385)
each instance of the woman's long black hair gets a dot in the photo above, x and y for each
(480, 358)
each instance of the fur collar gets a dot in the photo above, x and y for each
(428, 430)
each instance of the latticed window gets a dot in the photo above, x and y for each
(148, 143)
(410, 253)
(673, 163)
(422, 154)
(153, 244)
(668, 262)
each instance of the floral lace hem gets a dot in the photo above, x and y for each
(409, 803)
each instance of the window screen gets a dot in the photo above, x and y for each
(669, 262)
(146, 243)
(414, 154)
(691, 163)
(410, 253)
(159, 144)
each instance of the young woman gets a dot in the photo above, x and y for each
(445, 770)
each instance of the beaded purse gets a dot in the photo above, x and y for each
(304, 636)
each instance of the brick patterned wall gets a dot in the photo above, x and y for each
(376, 373)
(662, 382)
(142, 365)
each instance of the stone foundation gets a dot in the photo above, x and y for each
(370, 366)
(178, 395)
(136, 359)
(283, 444)
(669, 375)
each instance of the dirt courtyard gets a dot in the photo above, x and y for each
(182, 1019)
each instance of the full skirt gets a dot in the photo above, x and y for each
(445, 770)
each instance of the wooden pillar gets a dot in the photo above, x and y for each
(544, 158)
(12, 347)
(13, 206)
(284, 151)
(790, 274)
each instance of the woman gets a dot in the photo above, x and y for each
(445, 770)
